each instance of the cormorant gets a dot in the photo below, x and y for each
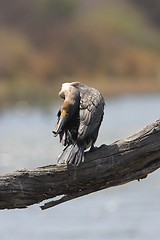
(79, 120)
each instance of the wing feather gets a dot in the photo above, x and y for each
(91, 112)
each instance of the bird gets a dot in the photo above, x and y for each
(79, 120)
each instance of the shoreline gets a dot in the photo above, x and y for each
(44, 94)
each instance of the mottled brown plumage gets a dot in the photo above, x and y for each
(79, 120)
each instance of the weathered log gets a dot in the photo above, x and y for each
(121, 162)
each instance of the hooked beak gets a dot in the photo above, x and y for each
(60, 124)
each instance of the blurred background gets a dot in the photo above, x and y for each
(108, 44)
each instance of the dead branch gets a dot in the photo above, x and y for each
(119, 163)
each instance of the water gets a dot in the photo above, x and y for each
(126, 212)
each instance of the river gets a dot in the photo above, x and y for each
(127, 212)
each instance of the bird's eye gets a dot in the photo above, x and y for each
(61, 94)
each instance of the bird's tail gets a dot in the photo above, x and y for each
(72, 154)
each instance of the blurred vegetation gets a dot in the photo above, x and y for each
(151, 9)
(112, 45)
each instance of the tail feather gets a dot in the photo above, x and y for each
(72, 154)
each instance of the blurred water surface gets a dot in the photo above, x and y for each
(131, 211)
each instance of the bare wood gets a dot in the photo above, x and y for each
(115, 164)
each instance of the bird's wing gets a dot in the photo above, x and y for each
(91, 112)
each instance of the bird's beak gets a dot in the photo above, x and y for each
(61, 122)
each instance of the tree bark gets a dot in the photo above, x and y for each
(119, 163)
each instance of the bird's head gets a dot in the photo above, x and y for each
(69, 90)
(71, 96)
